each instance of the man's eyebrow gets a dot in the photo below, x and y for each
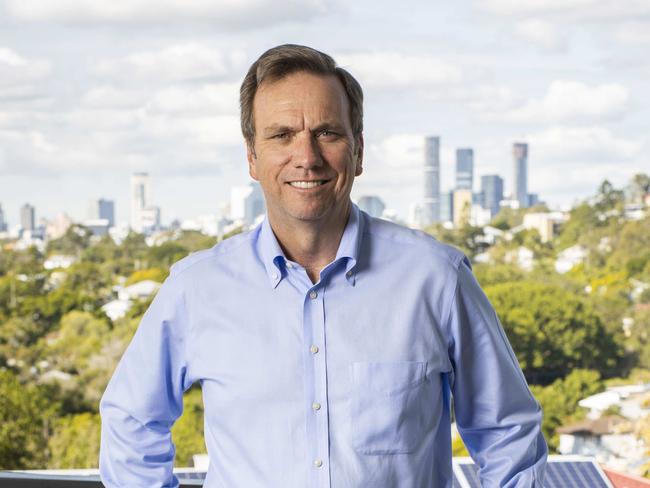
(329, 126)
(276, 128)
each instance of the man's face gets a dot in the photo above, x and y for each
(305, 156)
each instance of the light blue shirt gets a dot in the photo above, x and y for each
(344, 383)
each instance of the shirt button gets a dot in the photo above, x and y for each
(313, 348)
(274, 276)
(315, 406)
(318, 463)
(289, 265)
(313, 295)
(348, 274)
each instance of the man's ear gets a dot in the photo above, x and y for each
(359, 155)
(252, 159)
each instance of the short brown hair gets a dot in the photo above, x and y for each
(281, 61)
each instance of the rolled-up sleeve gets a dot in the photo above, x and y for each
(145, 396)
(497, 416)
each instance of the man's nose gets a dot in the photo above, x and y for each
(306, 152)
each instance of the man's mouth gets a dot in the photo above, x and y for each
(307, 184)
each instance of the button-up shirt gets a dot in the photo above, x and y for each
(344, 383)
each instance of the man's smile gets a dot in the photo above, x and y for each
(307, 184)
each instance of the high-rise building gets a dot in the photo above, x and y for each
(520, 174)
(150, 220)
(431, 207)
(27, 217)
(492, 193)
(3, 222)
(106, 210)
(372, 205)
(140, 194)
(247, 202)
(447, 206)
(464, 169)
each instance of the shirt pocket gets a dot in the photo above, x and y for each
(388, 406)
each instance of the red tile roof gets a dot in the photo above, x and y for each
(624, 480)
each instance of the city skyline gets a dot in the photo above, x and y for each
(90, 95)
(246, 201)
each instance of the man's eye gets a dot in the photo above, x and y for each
(326, 133)
(281, 135)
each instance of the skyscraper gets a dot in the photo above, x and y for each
(3, 223)
(520, 174)
(140, 188)
(464, 169)
(247, 202)
(106, 210)
(431, 208)
(447, 206)
(492, 191)
(27, 217)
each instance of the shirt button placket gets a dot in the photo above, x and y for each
(319, 414)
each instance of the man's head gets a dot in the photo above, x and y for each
(302, 120)
(281, 61)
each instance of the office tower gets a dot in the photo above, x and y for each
(520, 176)
(464, 169)
(492, 191)
(372, 205)
(533, 199)
(150, 219)
(247, 203)
(3, 223)
(140, 194)
(462, 207)
(447, 206)
(431, 208)
(27, 217)
(106, 210)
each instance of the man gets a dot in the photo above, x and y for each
(328, 344)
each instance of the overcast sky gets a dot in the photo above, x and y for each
(92, 91)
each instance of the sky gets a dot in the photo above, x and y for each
(91, 92)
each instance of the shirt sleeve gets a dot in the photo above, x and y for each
(497, 416)
(144, 398)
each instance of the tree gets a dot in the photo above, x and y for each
(187, 432)
(552, 330)
(75, 442)
(608, 197)
(639, 186)
(155, 274)
(639, 335)
(560, 400)
(73, 242)
(27, 414)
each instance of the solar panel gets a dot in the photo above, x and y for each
(561, 472)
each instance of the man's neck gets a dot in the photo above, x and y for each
(311, 244)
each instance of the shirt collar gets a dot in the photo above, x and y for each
(274, 259)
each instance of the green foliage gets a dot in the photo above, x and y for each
(73, 242)
(80, 336)
(494, 274)
(187, 432)
(75, 442)
(166, 254)
(458, 447)
(27, 414)
(552, 331)
(560, 400)
(154, 274)
(465, 238)
(639, 335)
